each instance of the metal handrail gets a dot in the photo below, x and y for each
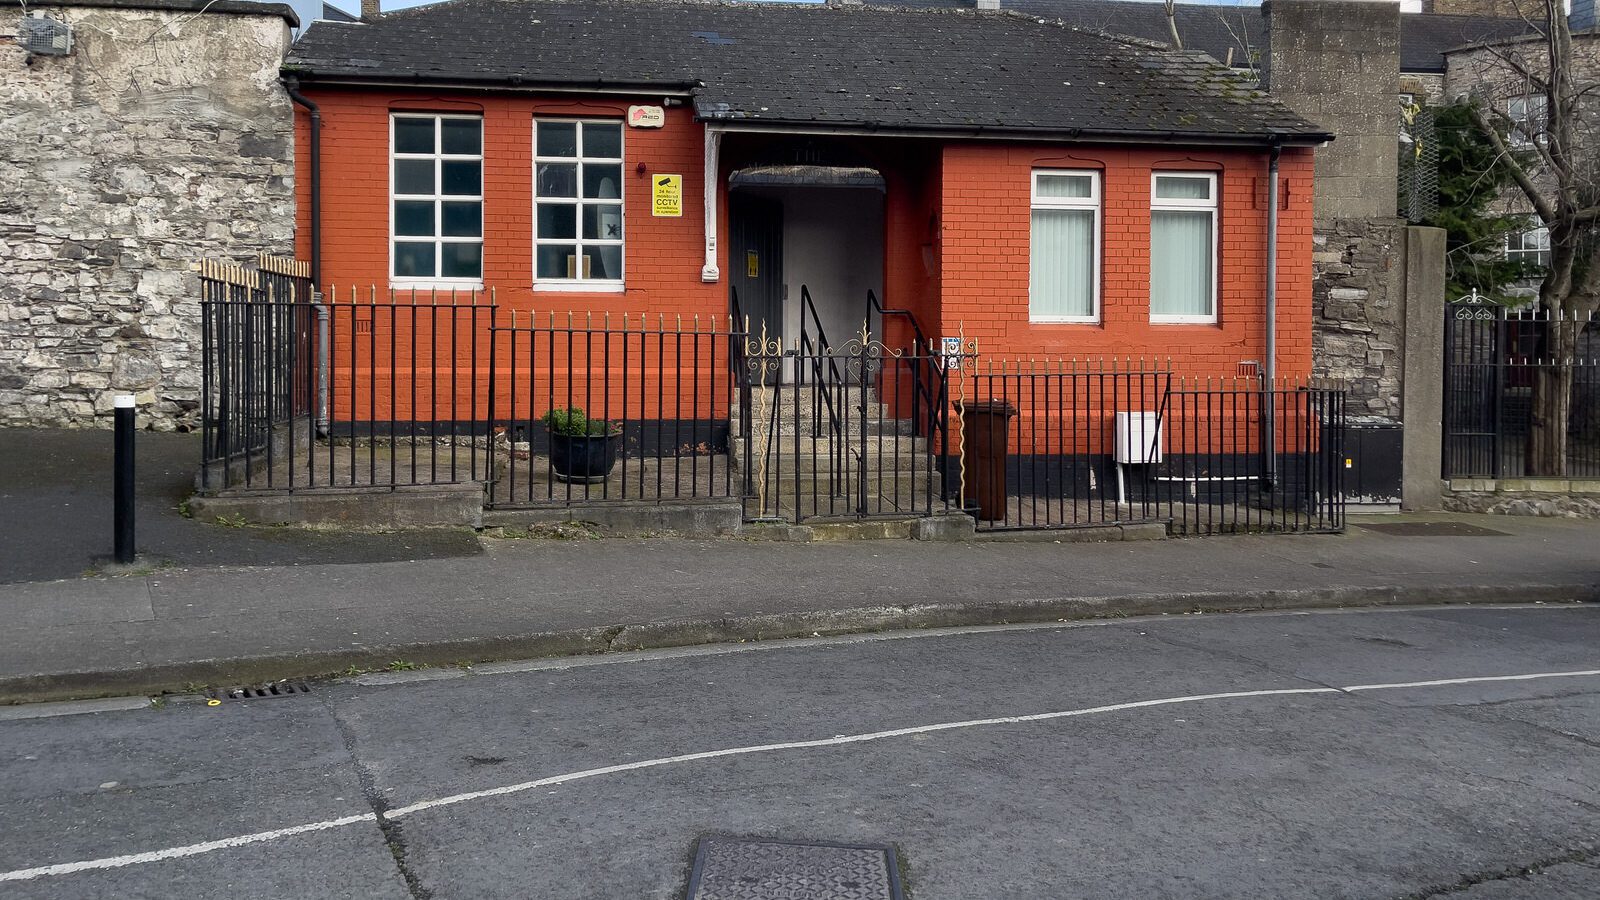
(924, 392)
(808, 310)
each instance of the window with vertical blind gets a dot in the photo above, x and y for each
(436, 199)
(1064, 247)
(1183, 247)
(577, 196)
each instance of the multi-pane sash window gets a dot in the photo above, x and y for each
(1527, 114)
(1531, 246)
(577, 204)
(1064, 247)
(436, 213)
(1183, 247)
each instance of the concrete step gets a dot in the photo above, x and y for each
(885, 452)
(911, 488)
(807, 427)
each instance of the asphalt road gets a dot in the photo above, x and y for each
(1345, 778)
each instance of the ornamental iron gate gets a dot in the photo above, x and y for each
(854, 431)
(1498, 360)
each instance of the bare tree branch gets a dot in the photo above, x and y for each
(1519, 174)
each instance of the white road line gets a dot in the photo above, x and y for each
(828, 742)
(1449, 681)
(134, 859)
(115, 862)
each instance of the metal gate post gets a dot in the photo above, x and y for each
(861, 421)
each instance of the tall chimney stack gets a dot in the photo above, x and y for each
(371, 10)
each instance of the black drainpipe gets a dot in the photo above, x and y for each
(1269, 447)
(292, 86)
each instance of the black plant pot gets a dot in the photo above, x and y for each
(586, 459)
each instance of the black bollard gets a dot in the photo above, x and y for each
(122, 490)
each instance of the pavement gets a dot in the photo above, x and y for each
(55, 495)
(1384, 753)
(220, 606)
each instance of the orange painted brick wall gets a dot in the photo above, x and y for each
(663, 255)
(984, 245)
(955, 248)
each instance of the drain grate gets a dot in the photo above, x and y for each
(1432, 529)
(260, 691)
(727, 868)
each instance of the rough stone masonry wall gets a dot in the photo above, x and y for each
(162, 139)
(1358, 303)
(1338, 64)
(1546, 503)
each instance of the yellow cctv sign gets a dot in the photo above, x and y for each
(667, 193)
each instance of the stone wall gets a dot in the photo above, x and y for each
(1338, 64)
(163, 138)
(1525, 503)
(1427, 89)
(1358, 304)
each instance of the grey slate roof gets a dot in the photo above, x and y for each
(811, 65)
(1243, 29)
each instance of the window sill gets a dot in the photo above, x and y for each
(435, 283)
(1183, 320)
(1063, 320)
(581, 287)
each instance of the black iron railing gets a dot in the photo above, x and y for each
(1102, 443)
(931, 383)
(362, 389)
(868, 460)
(597, 408)
(348, 389)
(257, 328)
(1513, 378)
(406, 373)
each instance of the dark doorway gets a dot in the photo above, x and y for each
(756, 258)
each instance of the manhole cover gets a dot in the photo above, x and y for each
(1433, 529)
(735, 869)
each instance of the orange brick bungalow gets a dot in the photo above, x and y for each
(1041, 189)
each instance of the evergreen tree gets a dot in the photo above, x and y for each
(1472, 176)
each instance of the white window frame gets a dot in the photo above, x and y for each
(1091, 202)
(1213, 204)
(1521, 253)
(1525, 130)
(586, 285)
(439, 157)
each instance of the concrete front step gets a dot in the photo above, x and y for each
(909, 488)
(806, 426)
(875, 447)
(824, 464)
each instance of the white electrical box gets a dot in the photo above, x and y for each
(1138, 438)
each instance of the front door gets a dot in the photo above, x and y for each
(756, 258)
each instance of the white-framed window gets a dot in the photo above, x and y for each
(436, 199)
(1527, 115)
(1064, 246)
(1531, 246)
(1183, 247)
(577, 198)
